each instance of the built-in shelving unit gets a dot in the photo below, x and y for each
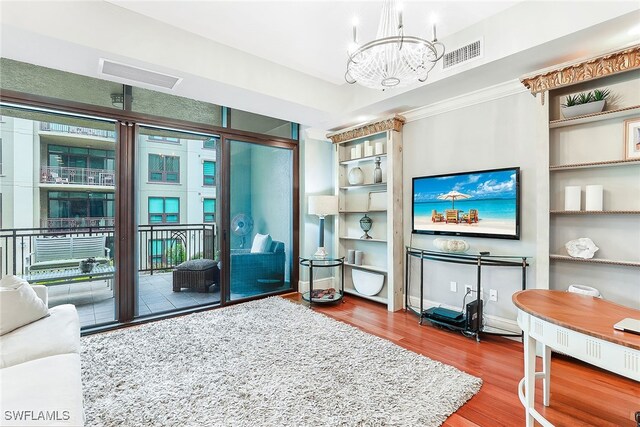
(383, 253)
(590, 150)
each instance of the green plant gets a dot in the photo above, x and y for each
(586, 97)
(570, 101)
(176, 254)
(600, 95)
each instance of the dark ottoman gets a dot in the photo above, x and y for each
(197, 274)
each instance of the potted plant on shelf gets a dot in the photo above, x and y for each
(584, 103)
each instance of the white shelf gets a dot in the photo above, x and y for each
(603, 164)
(363, 240)
(368, 268)
(559, 212)
(375, 298)
(364, 211)
(352, 187)
(363, 159)
(595, 260)
(589, 118)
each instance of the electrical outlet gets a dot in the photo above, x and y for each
(493, 294)
(453, 286)
(467, 289)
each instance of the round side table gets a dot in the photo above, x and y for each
(328, 262)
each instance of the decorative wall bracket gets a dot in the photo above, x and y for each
(393, 123)
(572, 73)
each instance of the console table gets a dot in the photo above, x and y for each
(480, 260)
(577, 325)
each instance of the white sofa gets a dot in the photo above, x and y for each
(40, 382)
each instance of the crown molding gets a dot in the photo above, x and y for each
(509, 88)
(570, 73)
(391, 123)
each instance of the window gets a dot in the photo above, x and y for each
(210, 143)
(209, 209)
(209, 173)
(168, 139)
(164, 210)
(164, 168)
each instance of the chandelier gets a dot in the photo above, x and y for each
(392, 59)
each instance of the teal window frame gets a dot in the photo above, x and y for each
(208, 173)
(162, 174)
(159, 214)
(209, 210)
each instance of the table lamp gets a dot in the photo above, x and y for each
(322, 206)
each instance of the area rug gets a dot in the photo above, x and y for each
(270, 362)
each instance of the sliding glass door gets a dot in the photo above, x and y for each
(177, 220)
(261, 219)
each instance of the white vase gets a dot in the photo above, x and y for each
(356, 176)
(583, 109)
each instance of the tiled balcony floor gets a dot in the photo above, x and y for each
(96, 304)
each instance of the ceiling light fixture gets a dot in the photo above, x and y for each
(392, 59)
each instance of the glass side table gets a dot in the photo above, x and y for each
(328, 262)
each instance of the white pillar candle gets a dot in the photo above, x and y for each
(358, 151)
(593, 199)
(368, 151)
(353, 152)
(572, 198)
(367, 144)
(379, 148)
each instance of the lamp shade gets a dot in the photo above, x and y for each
(323, 205)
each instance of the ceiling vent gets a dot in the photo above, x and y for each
(462, 55)
(136, 74)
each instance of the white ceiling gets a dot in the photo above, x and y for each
(307, 36)
(286, 59)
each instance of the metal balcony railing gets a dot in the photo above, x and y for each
(73, 223)
(77, 176)
(77, 130)
(161, 247)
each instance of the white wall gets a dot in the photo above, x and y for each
(316, 178)
(494, 134)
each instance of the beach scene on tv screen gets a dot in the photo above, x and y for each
(483, 202)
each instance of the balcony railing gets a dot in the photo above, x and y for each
(77, 130)
(161, 247)
(73, 223)
(77, 176)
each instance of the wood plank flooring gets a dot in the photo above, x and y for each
(581, 395)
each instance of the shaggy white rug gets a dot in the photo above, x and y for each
(263, 363)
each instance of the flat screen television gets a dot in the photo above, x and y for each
(479, 204)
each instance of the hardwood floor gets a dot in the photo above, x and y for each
(581, 395)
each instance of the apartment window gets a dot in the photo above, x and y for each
(166, 139)
(164, 168)
(209, 173)
(210, 143)
(164, 210)
(209, 209)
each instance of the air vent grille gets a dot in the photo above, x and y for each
(136, 74)
(463, 54)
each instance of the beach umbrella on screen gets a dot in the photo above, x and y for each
(453, 196)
